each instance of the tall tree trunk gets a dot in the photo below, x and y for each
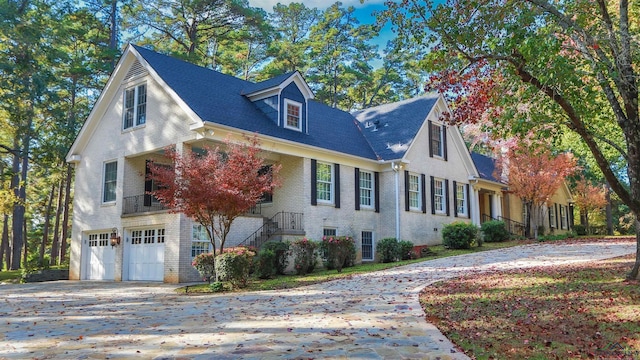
(65, 215)
(45, 228)
(609, 213)
(5, 241)
(25, 241)
(113, 33)
(18, 209)
(56, 227)
(634, 274)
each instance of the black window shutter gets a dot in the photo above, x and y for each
(376, 185)
(356, 173)
(455, 198)
(557, 220)
(423, 192)
(433, 190)
(148, 185)
(430, 135)
(446, 196)
(468, 202)
(406, 190)
(336, 171)
(550, 209)
(444, 142)
(314, 184)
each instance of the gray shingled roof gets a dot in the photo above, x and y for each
(394, 126)
(218, 98)
(267, 84)
(486, 166)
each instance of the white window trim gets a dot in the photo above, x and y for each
(418, 192)
(373, 245)
(104, 183)
(443, 197)
(563, 217)
(439, 126)
(331, 184)
(201, 241)
(371, 190)
(288, 102)
(552, 216)
(135, 88)
(463, 198)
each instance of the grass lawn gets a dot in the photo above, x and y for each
(560, 312)
(318, 276)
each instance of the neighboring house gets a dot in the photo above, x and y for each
(496, 202)
(390, 171)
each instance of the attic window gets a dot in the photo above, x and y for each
(293, 119)
(135, 106)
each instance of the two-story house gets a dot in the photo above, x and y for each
(389, 171)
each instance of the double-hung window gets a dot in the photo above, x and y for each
(439, 193)
(293, 113)
(135, 106)
(367, 245)
(366, 189)
(563, 217)
(552, 216)
(436, 140)
(461, 199)
(200, 243)
(110, 176)
(414, 192)
(324, 182)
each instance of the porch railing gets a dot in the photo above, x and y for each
(140, 203)
(513, 227)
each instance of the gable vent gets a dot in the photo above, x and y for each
(136, 70)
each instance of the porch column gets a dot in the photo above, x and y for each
(475, 207)
(496, 205)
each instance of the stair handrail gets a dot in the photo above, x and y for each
(294, 223)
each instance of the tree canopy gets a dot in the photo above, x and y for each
(551, 67)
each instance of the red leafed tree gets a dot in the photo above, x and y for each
(215, 188)
(589, 198)
(534, 175)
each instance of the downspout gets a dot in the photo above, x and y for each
(396, 169)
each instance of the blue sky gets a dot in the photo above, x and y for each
(363, 12)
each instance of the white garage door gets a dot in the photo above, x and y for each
(100, 258)
(146, 255)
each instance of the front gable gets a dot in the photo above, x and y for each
(284, 100)
(132, 100)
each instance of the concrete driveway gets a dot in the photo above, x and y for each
(374, 316)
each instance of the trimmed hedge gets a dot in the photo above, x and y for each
(495, 231)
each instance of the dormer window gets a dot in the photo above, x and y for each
(293, 119)
(135, 106)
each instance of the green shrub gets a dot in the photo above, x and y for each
(338, 250)
(265, 264)
(205, 264)
(217, 286)
(459, 235)
(495, 231)
(581, 230)
(304, 255)
(233, 266)
(388, 250)
(404, 249)
(281, 250)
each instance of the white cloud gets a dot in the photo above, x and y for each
(320, 4)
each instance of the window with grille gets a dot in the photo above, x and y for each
(135, 106)
(110, 181)
(367, 245)
(200, 243)
(293, 118)
(414, 191)
(366, 189)
(324, 181)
